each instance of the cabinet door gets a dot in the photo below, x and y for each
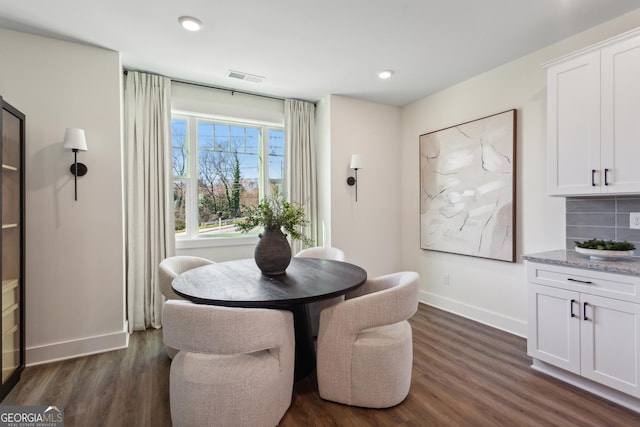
(621, 116)
(573, 123)
(12, 246)
(610, 331)
(554, 326)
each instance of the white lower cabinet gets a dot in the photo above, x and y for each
(586, 323)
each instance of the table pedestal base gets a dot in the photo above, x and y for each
(305, 351)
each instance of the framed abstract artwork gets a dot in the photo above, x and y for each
(467, 188)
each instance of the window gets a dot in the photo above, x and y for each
(219, 169)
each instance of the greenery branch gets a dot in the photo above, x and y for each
(276, 212)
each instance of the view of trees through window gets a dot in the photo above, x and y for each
(220, 169)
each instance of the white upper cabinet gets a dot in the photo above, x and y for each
(573, 110)
(593, 119)
(621, 115)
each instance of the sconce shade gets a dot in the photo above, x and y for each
(74, 139)
(356, 162)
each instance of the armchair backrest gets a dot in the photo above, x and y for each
(200, 328)
(382, 300)
(324, 252)
(171, 267)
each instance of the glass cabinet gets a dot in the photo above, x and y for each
(12, 125)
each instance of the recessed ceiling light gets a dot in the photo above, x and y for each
(190, 23)
(385, 74)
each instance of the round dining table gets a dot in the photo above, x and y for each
(241, 284)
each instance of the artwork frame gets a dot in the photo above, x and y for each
(468, 188)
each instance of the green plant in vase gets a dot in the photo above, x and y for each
(274, 214)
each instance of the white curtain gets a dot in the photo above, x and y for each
(299, 125)
(149, 201)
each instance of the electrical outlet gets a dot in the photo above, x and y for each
(634, 220)
(445, 280)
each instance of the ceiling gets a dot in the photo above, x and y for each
(307, 49)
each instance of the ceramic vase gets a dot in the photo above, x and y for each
(273, 252)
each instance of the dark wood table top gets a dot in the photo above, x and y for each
(241, 284)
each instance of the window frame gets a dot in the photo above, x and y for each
(192, 237)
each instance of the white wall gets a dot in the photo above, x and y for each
(367, 231)
(489, 291)
(74, 250)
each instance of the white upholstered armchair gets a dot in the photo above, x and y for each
(323, 252)
(235, 365)
(365, 349)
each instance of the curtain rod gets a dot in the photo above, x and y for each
(233, 91)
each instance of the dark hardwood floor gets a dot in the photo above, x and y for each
(464, 374)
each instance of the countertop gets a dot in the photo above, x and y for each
(629, 266)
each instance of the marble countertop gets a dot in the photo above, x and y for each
(629, 266)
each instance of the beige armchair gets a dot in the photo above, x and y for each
(365, 349)
(324, 252)
(168, 270)
(235, 365)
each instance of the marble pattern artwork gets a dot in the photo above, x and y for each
(467, 188)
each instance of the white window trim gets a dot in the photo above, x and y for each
(215, 242)
(221, 118)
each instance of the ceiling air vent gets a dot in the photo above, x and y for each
(244, 76)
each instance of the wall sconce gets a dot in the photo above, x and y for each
(356, 163)
(74, 139)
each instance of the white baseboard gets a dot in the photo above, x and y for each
(490, 318)
(620, 398)
(76, 348)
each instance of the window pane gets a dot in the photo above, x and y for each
(226, 181)
(276, 160)
(179, 205)
(215, 175)
(249, 179)
(276, 142)
(205, 136)
(221, 137)
(179, 146)
(249, 166)
(219, 193)
(253, 141)
(237, 139)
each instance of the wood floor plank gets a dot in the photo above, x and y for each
(464, 374)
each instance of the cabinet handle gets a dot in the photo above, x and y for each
(593, 179)
(572, 313)
(606, 177)
(584, 311)
(586, 282)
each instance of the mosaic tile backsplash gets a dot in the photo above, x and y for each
(601, 218)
